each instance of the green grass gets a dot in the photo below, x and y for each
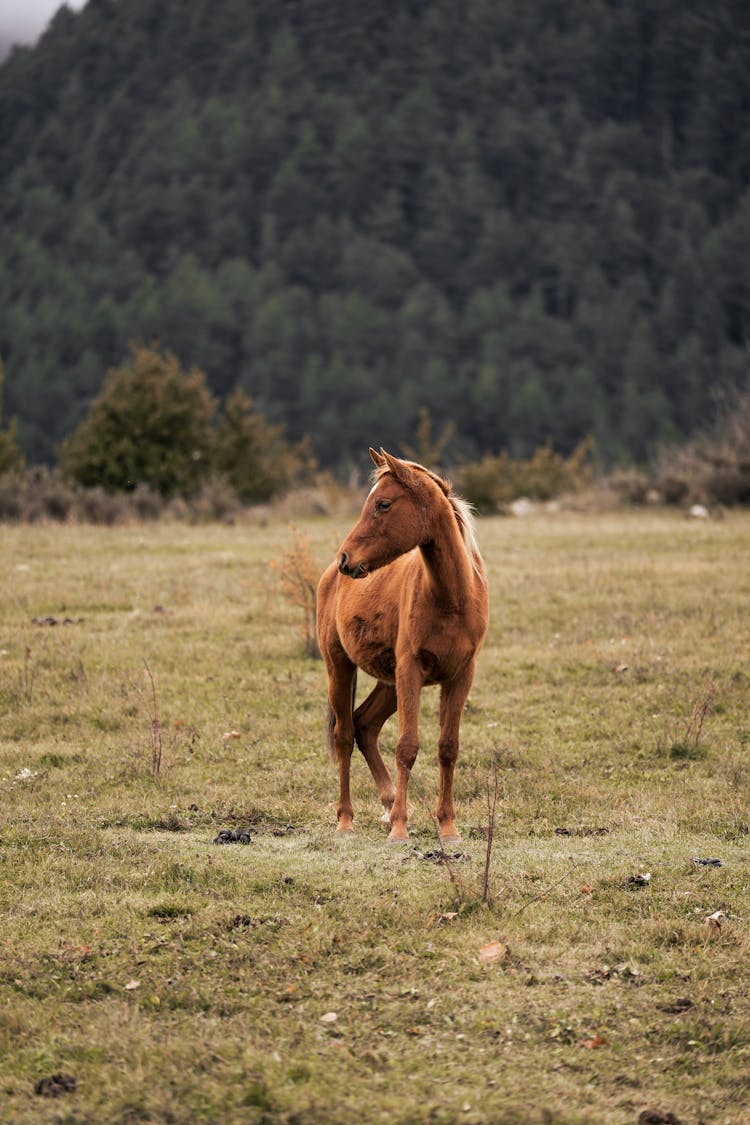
(180, 981)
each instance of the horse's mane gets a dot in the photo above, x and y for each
(462, 510)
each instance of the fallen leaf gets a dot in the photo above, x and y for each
(448, 916)
(716, 919)
(492, 952)
(329, 1017)
(230, 734)
(595, 1043)
(132, 984)
(587, 889)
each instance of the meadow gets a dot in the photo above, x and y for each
(573, 961)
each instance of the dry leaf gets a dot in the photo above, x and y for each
(587, 889)
(492, 952)
(230, 734)
(448, 916)
(592, 1044)
(329, 1017)
(132, 984)
(716, 919)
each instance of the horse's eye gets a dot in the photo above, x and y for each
(382, 505)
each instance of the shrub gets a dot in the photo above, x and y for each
(497, 480)
(153, 430)
(150, 424)
(714, 468)
(29, 496)
(254, 455)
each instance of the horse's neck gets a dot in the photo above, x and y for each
(448, 563)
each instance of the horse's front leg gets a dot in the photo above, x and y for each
(453, 696)
(409, 680)
(341, 681)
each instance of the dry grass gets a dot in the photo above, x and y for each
(175, 980)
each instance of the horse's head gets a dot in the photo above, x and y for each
(395, 517)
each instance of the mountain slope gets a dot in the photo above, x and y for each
(534, 219)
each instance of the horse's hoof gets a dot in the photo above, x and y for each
(398, 837)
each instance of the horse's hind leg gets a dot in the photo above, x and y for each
(341, 680)
(453, 696)
(368, 721)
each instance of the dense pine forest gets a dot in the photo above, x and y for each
(531, 218)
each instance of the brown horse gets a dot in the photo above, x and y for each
(406, 601)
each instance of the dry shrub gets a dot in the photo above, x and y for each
(497, 480)
(714, 468)
(298, 579)
(324, 496)
(35, 495)
(96, 505)
(632, 486)
(216, 501)
(40, 494)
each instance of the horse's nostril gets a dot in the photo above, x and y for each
(343, 560)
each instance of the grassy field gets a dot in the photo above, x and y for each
(154, 692)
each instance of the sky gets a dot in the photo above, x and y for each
(23, 21)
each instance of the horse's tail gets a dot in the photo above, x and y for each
(331, 719)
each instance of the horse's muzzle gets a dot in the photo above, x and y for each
(358, 571)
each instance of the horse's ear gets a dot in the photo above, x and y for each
(399, 469)
(377, 458)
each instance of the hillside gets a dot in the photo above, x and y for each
(534, 219)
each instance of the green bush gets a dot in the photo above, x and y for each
(150, 424)
(155, 426)
(254, 455)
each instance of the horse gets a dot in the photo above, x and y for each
(406, 600)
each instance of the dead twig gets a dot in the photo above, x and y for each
(492, 789)
(153, 710)
(548, 890)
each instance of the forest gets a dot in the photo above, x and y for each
(532, 220)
